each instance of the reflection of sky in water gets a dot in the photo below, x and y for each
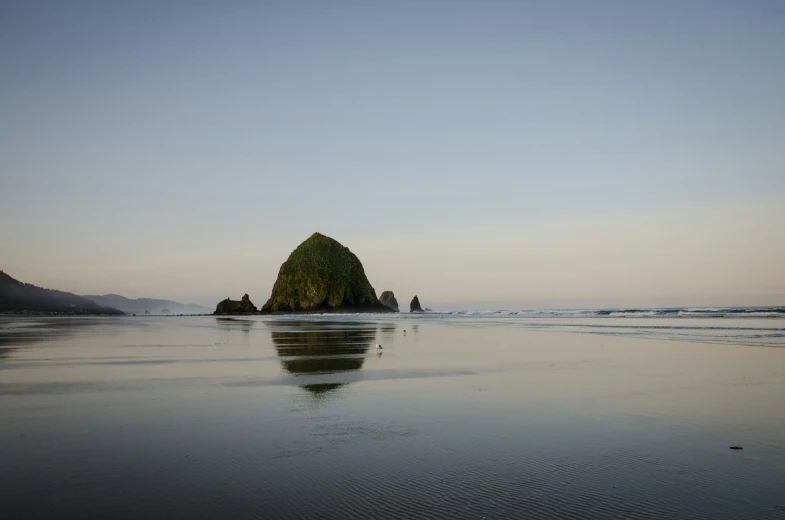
(26, 331)
(741, 331)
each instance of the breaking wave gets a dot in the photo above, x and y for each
(683, 312)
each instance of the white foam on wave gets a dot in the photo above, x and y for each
(687, 312)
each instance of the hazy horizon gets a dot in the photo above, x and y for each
(546, 155)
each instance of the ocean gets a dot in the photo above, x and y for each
(626, 413)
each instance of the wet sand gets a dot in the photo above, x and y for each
(204, 417)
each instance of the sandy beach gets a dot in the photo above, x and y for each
(456, 418)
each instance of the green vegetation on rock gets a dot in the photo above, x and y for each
(229, 306)
(322, 275)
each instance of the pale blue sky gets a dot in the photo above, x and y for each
(182, 149)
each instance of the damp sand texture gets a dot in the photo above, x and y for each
(302, 417)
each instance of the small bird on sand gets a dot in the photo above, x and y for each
(378, 346)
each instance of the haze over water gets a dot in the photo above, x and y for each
(457, 417)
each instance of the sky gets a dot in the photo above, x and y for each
(494, 153)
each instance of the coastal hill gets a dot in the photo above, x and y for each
(321, 275)
(19, 297)
(153, 306)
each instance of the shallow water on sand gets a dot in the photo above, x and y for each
(205, 417)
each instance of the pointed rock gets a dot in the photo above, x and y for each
(388, 298)
(228, 306)
(321, 275)
(415, 305)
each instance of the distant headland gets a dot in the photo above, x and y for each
(146, 306)
(23, 298)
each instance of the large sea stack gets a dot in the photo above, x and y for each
(388, 298)
(415, 305)
(321, 275)
(229, 306)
